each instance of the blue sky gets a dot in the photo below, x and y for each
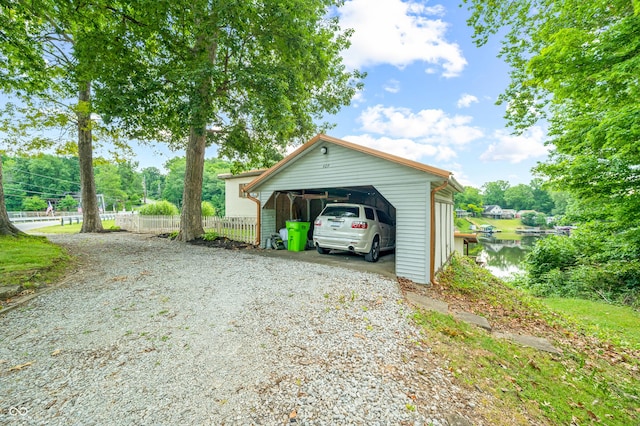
(430, 92)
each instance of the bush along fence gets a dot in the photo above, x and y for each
(235, 228)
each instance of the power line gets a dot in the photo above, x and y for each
(50, 194)
(44, 176)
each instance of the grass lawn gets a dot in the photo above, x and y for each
(594, 380)
(30, 261)
(507, 227)
(69, 229)
(620, 324)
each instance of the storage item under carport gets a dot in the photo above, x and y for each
(297, 235)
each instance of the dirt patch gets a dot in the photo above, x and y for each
(218, 242)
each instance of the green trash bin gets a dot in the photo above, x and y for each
(297, 235)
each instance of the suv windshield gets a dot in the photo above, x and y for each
(341, 211)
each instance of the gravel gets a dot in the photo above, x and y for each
(149, 331)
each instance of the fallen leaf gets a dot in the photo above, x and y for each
(21, 366)
(593, 416)
(56, 352)
(293, 414)
(359, 336)
(533, 365)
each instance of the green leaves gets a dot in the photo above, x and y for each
(577, 64)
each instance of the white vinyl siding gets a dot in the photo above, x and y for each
(235, 205)
(412, 227)
(339, 167)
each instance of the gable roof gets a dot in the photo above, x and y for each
(444, 174)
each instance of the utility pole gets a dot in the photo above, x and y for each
(144, 189)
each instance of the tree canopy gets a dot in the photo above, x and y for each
(575, 64)
(252, 77)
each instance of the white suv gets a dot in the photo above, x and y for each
(354, 227)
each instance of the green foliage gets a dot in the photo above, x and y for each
(590, 264)
(208, 209)
(534, 219)
(47, 176)
(251, 77)
(519, 197)
(34, 203)
(209, 236)
(493, 192)
(575, 64)
(212, 187)
(68, 203)
(154, 182)
(554, 253)
(470, 196)
(159, 208)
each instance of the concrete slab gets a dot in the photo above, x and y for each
(456, 420)
(424, 302)
(539, 343)
(473, 319)
(7, 292)
(386, 266)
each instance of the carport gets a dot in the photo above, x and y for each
(325, 169)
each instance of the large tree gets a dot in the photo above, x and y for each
(50, 53)
(249, 76)
(493, 192)
(518, 197)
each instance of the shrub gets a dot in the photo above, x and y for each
(34, 203)
(553, 252)
(208, 209)
(68, 203)
(161, 208)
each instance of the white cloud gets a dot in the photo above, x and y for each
(516, 148)
(358, 98)
(392, 86)
(428, 126)
(466, 100)
(405, 148)
(399, 33)
(458, 173)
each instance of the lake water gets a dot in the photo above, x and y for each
(504, 257)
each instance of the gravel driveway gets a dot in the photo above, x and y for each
(149, 331)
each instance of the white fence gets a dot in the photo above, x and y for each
(235, 228)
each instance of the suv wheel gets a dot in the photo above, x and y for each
(322, 250)
(374, 253)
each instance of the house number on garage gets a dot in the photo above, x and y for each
(325, 165)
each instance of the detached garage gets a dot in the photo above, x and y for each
(324, 170)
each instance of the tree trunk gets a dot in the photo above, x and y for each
(191, 218)
(6, 227)
(91, 221)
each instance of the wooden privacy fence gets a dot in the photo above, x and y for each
(235, 228)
